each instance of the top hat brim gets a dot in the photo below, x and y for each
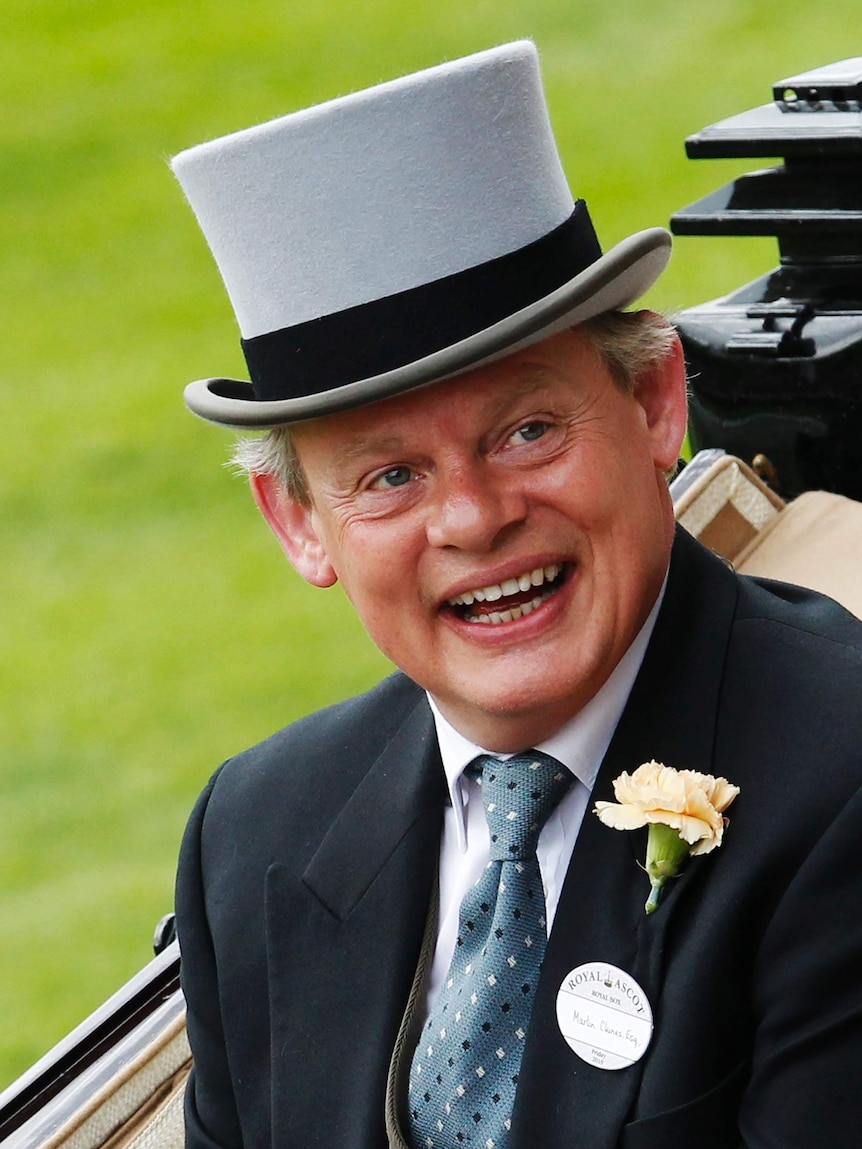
(613, 281)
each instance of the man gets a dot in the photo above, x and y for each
(471, 438)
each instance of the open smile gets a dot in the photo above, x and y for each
(511, 599)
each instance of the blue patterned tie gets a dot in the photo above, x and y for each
(465, 1068)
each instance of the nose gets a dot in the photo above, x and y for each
(474, 508)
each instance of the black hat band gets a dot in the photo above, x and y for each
(385, 334)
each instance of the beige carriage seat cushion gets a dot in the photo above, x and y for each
(141, 1105)
(160, 1122)
(816, 541)
(727, 507)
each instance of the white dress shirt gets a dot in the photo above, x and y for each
(580, 745)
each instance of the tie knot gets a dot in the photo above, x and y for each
(519, 795)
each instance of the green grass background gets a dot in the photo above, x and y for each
(149, 626)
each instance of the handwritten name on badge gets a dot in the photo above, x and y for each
(604, 1015)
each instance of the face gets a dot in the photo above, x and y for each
(502, 535)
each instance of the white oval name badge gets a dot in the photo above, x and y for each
(604, 1015)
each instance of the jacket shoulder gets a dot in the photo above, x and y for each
(802, 650)
(326, 752)
(799, 609)
(790, 719)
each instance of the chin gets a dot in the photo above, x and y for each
(507, 720)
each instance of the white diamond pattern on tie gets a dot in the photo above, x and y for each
(465, 1069)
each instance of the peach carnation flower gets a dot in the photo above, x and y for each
(684, 810)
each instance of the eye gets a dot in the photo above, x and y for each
(530, 432)
(394, 477)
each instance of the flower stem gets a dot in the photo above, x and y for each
(666, 853)
(654, 896)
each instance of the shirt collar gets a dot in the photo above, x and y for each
(580, 744)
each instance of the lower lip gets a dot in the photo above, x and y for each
(525, 627)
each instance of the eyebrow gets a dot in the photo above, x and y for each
(534, 378)
(387, 444)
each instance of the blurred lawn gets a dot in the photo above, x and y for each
(150, 627)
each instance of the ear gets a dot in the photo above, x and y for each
(293, 525)
(663, 395)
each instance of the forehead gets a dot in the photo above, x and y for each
(565, 367)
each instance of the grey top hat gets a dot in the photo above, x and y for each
(398, 236)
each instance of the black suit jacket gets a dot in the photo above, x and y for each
(309, 863)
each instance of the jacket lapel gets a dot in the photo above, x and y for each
(342, 951)
(670, 716)
(401, 789)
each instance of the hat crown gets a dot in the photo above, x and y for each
(379, 191)
(398, 236)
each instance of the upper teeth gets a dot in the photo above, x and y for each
(509, 586)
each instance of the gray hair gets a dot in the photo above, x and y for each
(630, 343)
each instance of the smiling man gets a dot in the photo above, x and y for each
(401, 925)
(502, 535)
